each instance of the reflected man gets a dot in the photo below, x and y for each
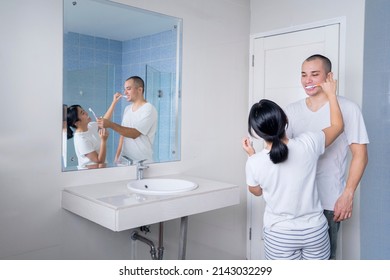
(139, 123)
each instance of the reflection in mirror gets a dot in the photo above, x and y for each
(105, 43)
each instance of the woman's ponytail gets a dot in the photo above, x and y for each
(269, 121)
(71, 119)
(279, 150)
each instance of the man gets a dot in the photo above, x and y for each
(139, 123)
(336, 190)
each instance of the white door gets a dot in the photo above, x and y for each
(276, 72)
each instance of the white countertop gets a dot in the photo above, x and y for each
(114, 206)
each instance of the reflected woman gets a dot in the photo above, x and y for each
(90, 142)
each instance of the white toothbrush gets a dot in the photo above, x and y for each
(310, 87)
(250, 140)
(93, 113)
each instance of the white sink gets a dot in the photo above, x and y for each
(161, 186)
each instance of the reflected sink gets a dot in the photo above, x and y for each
(161, 186)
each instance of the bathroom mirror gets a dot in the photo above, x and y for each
(104, 44)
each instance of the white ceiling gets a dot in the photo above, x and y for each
(111, 20)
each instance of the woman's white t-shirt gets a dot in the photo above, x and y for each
(85, 143)
(289, 188)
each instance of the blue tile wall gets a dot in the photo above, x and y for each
(90, 64)
(159, 52)
(375, 191)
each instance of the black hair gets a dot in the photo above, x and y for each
(269, 122)
(138, 81)
(326, 61)
(71, 118)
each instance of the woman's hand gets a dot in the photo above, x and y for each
(329, 86)
(103, 134)
(247, 146)
(117, 96)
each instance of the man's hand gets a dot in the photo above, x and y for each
(343, 207)
(103, 123)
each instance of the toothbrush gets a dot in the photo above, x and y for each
(310, 87)
(93, 113)
(250, 140)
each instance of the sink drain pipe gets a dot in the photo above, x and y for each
(160, 241)
(156, 254)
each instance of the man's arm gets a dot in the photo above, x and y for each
(344, 204)
(122, 130)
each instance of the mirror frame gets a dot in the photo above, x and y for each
(174, 147)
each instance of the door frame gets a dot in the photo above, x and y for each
(341, 86)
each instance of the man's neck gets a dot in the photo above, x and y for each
(138, 103)
(315, 102)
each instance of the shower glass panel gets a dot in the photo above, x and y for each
(160, 92)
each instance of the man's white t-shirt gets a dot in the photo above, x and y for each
(289, 189)
(145, 121)
(332, 164)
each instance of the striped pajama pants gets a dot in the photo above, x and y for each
(303, 244)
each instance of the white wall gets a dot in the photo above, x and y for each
(215, 79)
(281, 14)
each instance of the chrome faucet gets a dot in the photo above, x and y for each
(140, 169)
(129, 161)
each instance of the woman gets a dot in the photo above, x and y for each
(90, 142)
(284, 173)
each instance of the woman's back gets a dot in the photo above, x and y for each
(289, 187)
